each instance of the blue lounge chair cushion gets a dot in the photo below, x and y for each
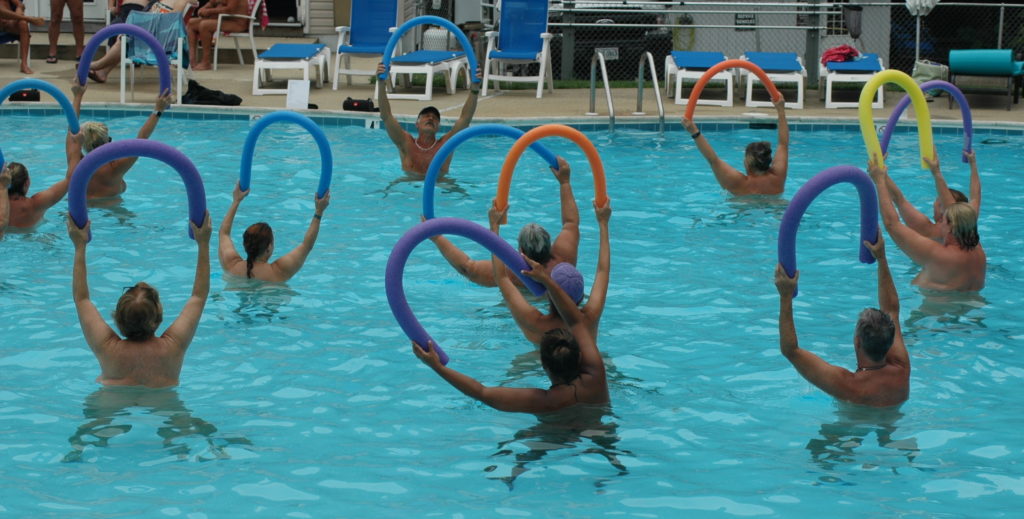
(775, 61)
(292, 51)
(696, 59)
(427, 56)
(511, 54)
(361, 49)
(865, 63)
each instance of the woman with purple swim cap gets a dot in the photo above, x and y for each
(532, 321)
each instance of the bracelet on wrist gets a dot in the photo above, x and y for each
(317, 216)
(695, 135)
(157, 113)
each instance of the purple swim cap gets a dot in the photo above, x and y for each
(570, 280)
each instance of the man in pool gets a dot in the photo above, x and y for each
(570, 358)
(946, 196)
(958, 262)
(534, 240)
(764, 175)
(258, 241)
(26, 211)
(533, 323)
(141, 358)
(417, 152)
(108, 180)
(882, 378)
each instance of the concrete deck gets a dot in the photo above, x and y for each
(509, 105)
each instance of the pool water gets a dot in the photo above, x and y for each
(304, 399)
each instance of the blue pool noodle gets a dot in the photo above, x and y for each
(434, 170)
(464, 42)
(326, 158)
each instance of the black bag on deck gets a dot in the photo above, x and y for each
(25, 95)
(199, 95)
(358, 105)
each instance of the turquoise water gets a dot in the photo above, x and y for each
(304, 400)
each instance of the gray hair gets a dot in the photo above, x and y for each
(876, 331)
(535, 243)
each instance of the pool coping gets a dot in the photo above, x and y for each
(332, 118)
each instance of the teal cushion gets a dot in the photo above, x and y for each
(982, 62)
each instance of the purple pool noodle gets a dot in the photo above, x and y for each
(433, 227)
(136, 148)
(809, 191)
(464, 42)
(937, 84)
(434, 170)
(162, 63)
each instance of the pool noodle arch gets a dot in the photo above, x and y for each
(809, 191)
(937, 84)
(162, 63)
(136, 148)
(62, 100)
(400, 254)
(464, 42)
(924, 121)
(551, 130)
(326, 158)
(434, 170)
(691, 103)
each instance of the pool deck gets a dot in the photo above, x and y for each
(509, 106)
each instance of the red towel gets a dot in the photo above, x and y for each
(840, 53)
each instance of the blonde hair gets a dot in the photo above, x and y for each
(94, 135)
(963, 222)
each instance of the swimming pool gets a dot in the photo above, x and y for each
(305, 400)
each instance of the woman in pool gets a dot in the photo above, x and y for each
(764, 175)
(108, 180)
(258, 242)
(141, 358)
(945, 197)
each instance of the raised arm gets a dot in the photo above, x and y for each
(975, 200)
(728, 177)
(889, 301)
(161, 104)
(468, 108)
(96, 331)
(394, 129)
(567, 243)
(181, 331)
(918, 248)
(941, 188)
(510, 399)
(780, 163)
(227, 254)
(914, 218)
(599, 291)
(831, 379)
(524, 314)
(288, 265)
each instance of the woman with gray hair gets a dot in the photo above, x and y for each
(534, 240)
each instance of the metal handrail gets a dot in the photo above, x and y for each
(657, 89)
(599, 57)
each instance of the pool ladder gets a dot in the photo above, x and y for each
(645, 59)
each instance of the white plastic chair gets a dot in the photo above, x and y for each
(252, 17)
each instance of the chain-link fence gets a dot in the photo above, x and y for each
(624, 29)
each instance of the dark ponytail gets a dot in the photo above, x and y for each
(256, 240)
